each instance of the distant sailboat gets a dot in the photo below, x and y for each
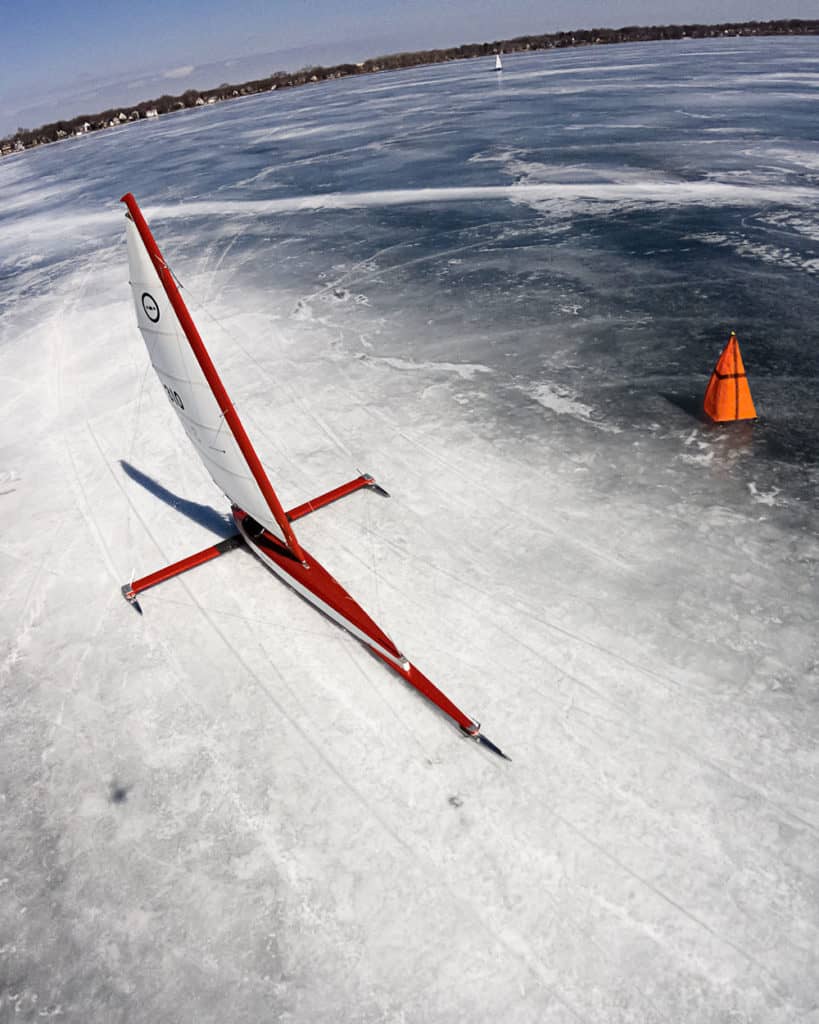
(212, 423)
(498, 62)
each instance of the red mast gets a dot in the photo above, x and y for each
(226, 407)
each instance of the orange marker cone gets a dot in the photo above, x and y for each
(728, 396)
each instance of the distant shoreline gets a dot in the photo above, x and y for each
(84, 124)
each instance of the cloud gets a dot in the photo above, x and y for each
(181, 72)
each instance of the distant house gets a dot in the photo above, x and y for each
(199, 102)
(153, 112)
(121, 117)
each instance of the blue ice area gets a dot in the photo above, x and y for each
(619, 296)
(503, 295)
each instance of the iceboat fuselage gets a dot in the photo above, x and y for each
(312, 582)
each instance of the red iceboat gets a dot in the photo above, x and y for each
(194, 388)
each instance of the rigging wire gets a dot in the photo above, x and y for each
(329, 434)
(138, 410)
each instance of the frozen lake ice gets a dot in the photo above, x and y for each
(502, 295)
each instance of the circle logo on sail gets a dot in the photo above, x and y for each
(150, 306)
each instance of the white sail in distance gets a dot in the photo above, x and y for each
(212, 429)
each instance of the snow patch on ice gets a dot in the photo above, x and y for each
(635, 189)
(562, 400)
(604, 126)
(764, 497)
(747, 249)
(528, 76)
(703, 455)
(466, 371)
(702, 459)
(281, 134)
(801, 223)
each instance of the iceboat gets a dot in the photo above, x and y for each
(498, 62)
(209, 418)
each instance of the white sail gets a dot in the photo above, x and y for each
(188, 389)
(498, 62)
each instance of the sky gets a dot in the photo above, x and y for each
(59, 58)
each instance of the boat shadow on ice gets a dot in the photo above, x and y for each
(220, 523)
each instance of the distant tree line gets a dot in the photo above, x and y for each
(25, 138)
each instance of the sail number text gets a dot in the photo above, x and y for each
(173, 396)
